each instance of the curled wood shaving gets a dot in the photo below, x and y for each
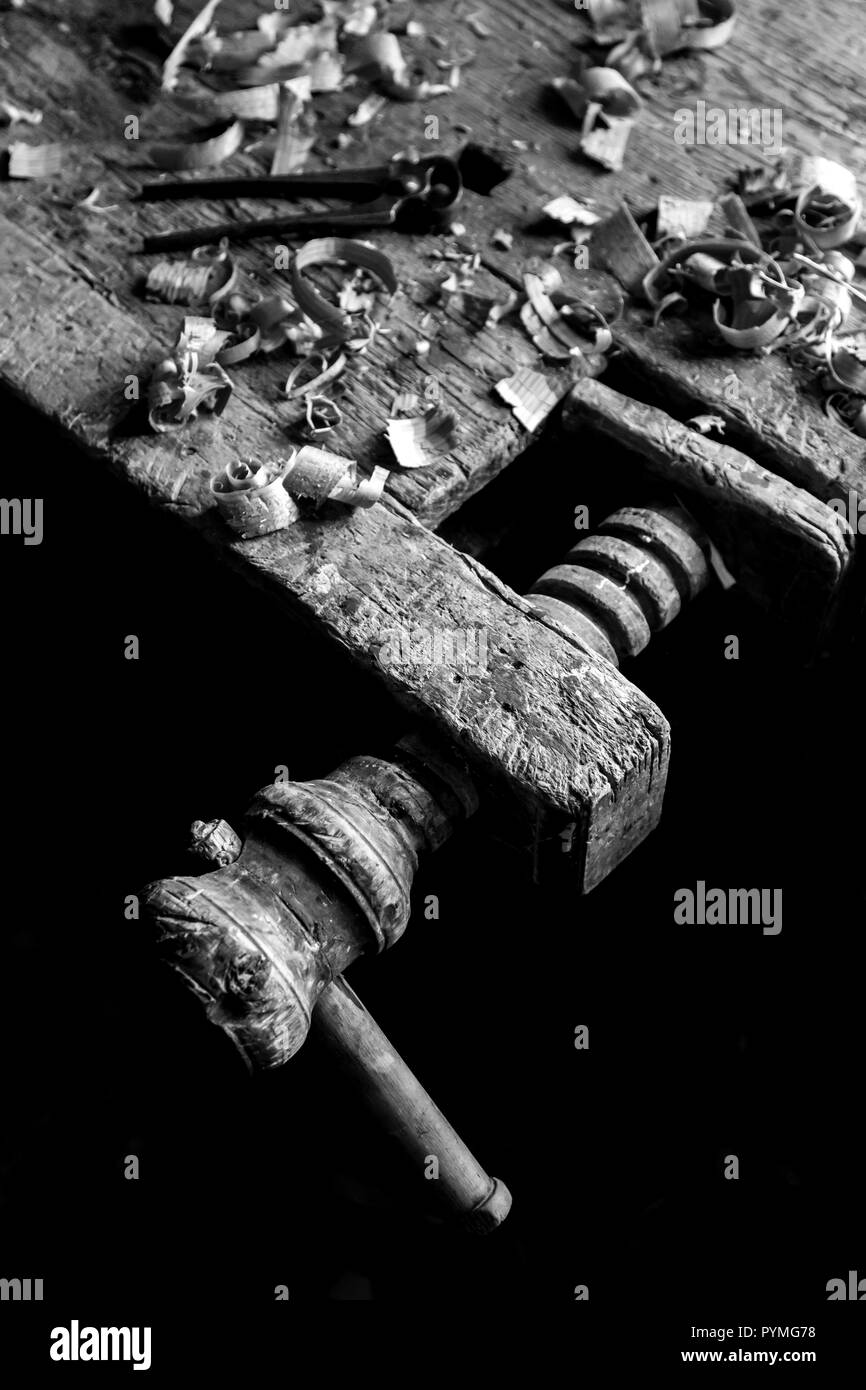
(417, 441)
(645, 31)
(241, 343)
(848, 410)
(362, 492)
(552, 334)
(323, 415)
(828, 204)
(252, 498)
(669, 304)
(202, 154)
(180, 387)
(780, 282)
(297, 386)
(241, 474)
(209, 276)
(335, 323)
(828, 300)
(713, 25)
(322, 476)
(280, 322)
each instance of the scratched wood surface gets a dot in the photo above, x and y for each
(86, 65)
(73, 325)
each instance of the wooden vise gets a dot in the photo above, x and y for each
(324, 871)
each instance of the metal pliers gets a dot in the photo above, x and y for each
(412, 195)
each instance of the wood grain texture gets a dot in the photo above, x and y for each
(547, 721)
(779, 57)
(789, 550)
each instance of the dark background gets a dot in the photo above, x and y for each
(704, 1041)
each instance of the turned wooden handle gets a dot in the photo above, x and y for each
(400, 1103)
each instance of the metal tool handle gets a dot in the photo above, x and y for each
(399, 1101)
(361, 185)
(351, 220)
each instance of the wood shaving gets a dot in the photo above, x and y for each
(683, 217)
(35, 161)
(13, 113)
(570, 212)
(175, 60)
(530, 396)
(204, 153)
(418, 441)
(368, 110)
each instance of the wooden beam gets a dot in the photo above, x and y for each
(787, 549)
(770, 408)
(546, 721)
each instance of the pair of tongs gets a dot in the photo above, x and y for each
(412, 195)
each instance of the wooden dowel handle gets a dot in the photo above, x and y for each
(399, 1101)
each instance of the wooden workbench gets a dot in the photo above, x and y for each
(550, 724)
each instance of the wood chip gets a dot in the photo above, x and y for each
(606, 145)
(250, 103)
(530, 396)
(175, 60)
(35, 161)
(682, 217)
(570, 212)
(368, 110)
(622, 248)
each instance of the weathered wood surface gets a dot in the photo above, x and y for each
(87, 85)
(805, 62)
(73, 326)
(787, 548)
(774, 413)
(550, 723)
(779, 57)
